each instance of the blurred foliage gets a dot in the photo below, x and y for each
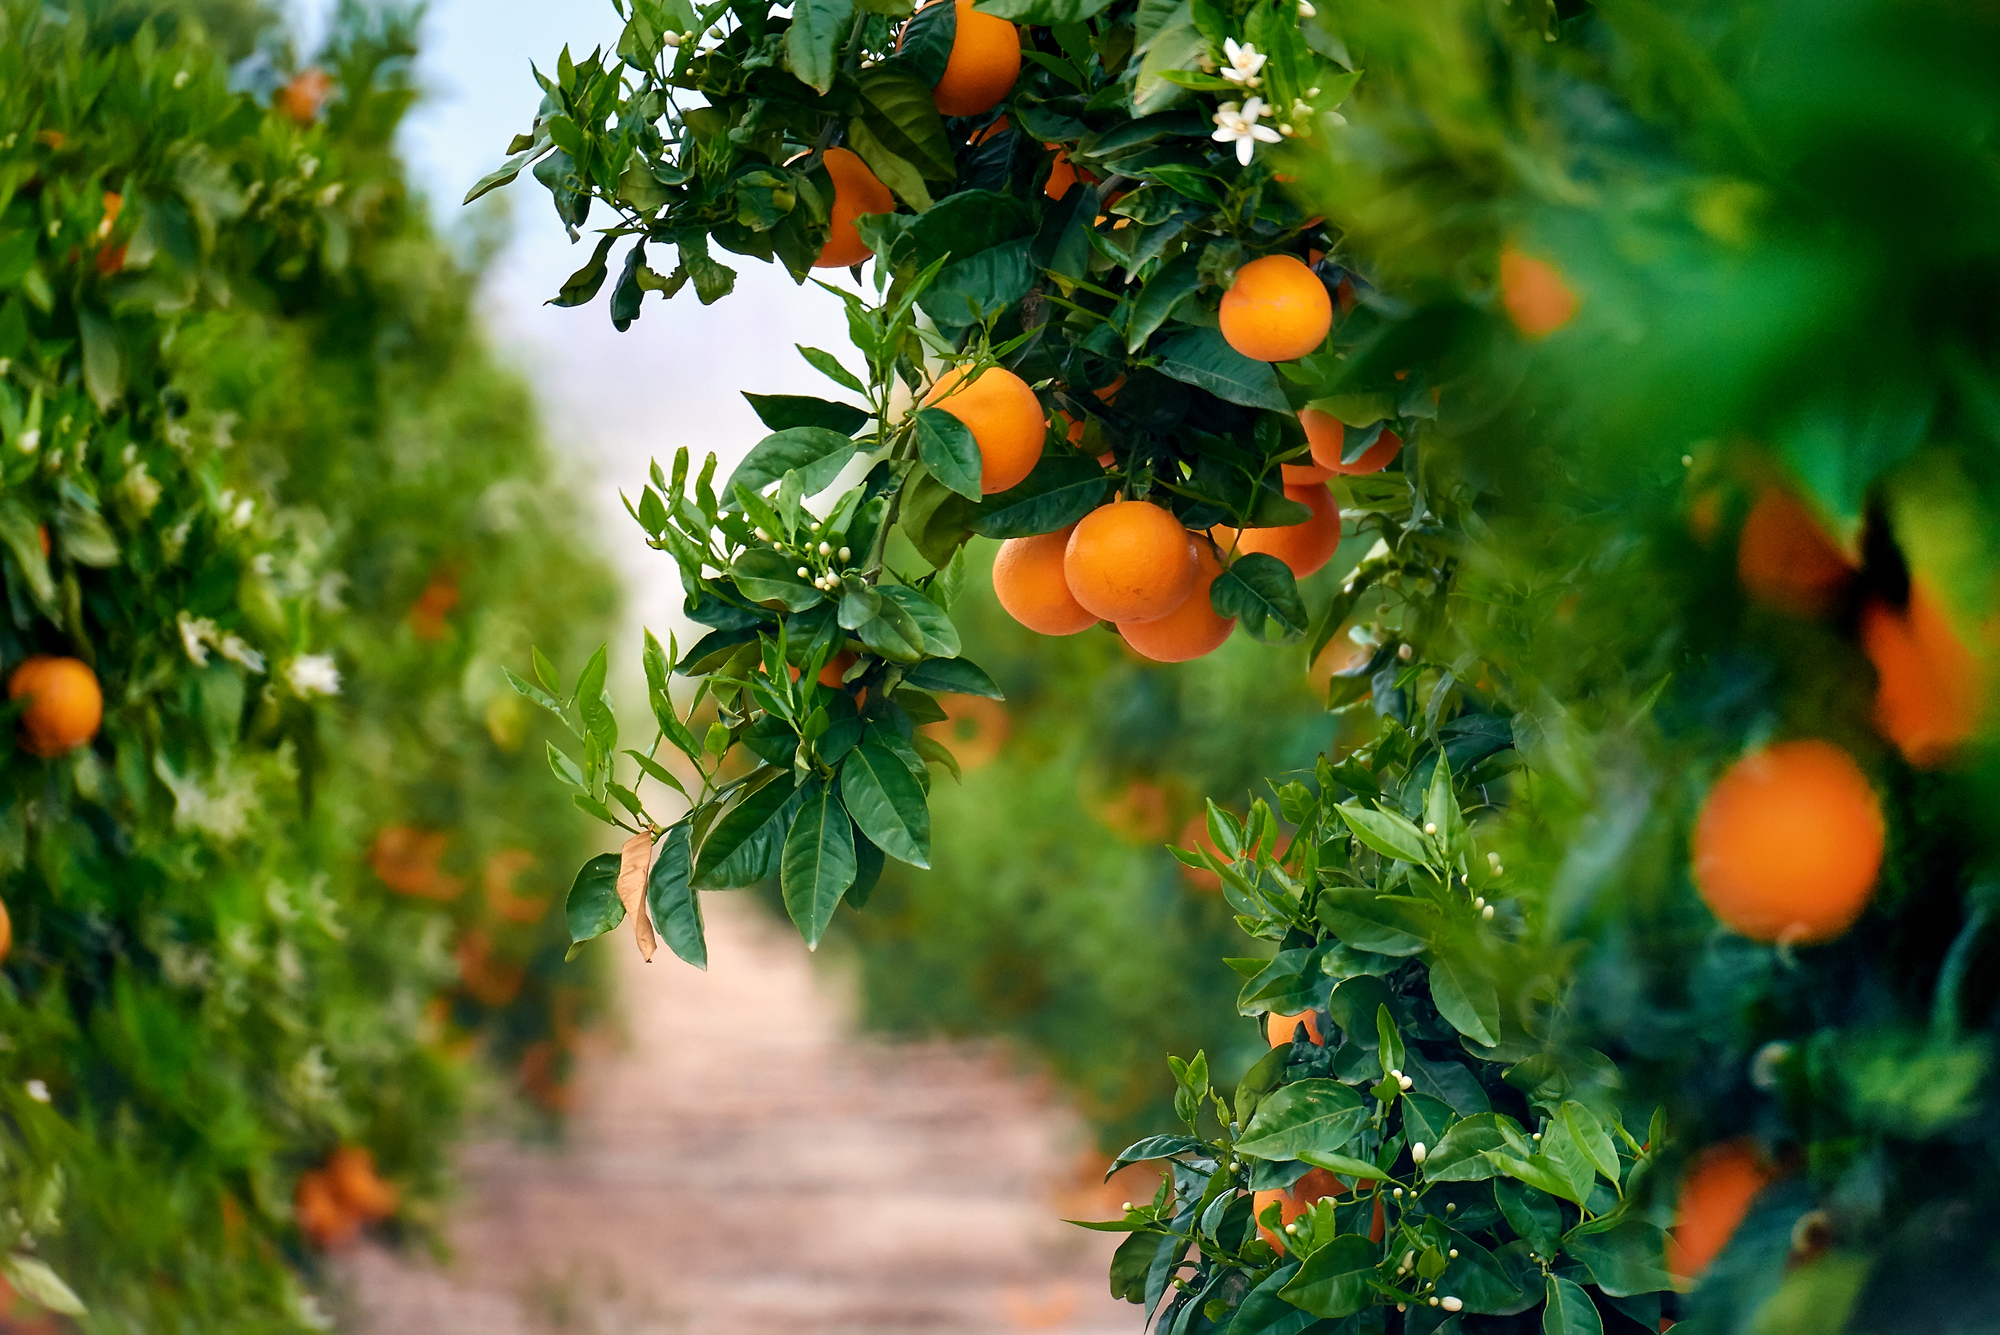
(296, 518)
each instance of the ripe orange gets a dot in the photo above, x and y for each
(1190, 630)
(1005, 418)
(6, 932)
(350, 1172)
(1130, 561)
(1785, 559)
(406, 860)
(1329, 439)
(1932, 689)
(1063, 174)
(985, 61)
(485, 979)
(1305, 546)
(498, 874)
(856, 191)
(974, 730)
(427, 614)
(1281, 1029)
(1028, 580)
(1714, 1198)
(1537, 299)
(65, 706)
(1276, 310)
(1295, 1200)
(300, 100)
(1137, 813)
(1788, 843)
(320, 1213)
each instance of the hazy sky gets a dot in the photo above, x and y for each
(611, 401)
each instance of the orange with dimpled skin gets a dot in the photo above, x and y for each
(65, 706)
(1005, 419)
(1305, 546)
(1277, 310)
(1029, 582)
(1189, 631)
(985, 60)
(1130, 561)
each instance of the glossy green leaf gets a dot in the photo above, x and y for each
(582, 285)
(1569, 1310)
(812, 42)
(743, 847)
(819, 863)
(781, 412)
(1466, 1154)
(940, 637)
(1203, 358)
(765, 575)
(1624, 1256)
(1333, 1281)
(815, 453)
(1466, 998)
(947, 448)
(956, 676)
(1316, 1115)
(1386, 833)
(672, 899)
(1362, 921)
(1062, 489)
(886, 804)
(593, 907)
(1261, 592)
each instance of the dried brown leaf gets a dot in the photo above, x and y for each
(634, 861)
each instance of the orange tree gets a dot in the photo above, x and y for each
(221, 326)
(1103, 333)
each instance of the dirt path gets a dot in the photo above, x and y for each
(747, 1164)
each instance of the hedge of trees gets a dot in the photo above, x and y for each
(267, 494)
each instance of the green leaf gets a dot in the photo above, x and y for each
(812, 43)
(956, 676)
(1260, 591)
(1625, 1256)
(765, 575)
(815, 453)
(103, 358)
(22, 536)
(1569, 1310)
(1308, 1115)
(884, 800)
(1389, 1042)
(1531, 1213)
(1362, 921)
(1386, 833)
(819, 861)
(1441, 809)
(1466, 1154)
(903, 177)
(593, 907)
(1466, 998)
(971, 290)
(948, 449)
(584, 283)
(781, 412)
(565, 768)
(1174, 283)
(1344, 1164)
(924, 47)
(675, 905)
(901, 113)
(1203, 358)
(1062, 489)
(940, 637)
(829, 366)
(1480, 1280)
(1590, 1135)
(1542, 1174)
(1043, 13)
(505, 173)
(744, 846)
(1333, 1281)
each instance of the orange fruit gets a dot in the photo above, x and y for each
(985, 61)
(300, 100)
(406, 860)
(1341, 654)
(427, 614)
(1004, 416)
(1190, 630)
(320, 1213)
(1715, 1196)
(1931, 689)
(836, 668)
(1063, 174)
(1298, 475)
(1139, 813)
(350, 1172)
(543, 1078)
(856, 190)
(974, 730)
(65, 705)
(1130, 561)
(6, 932)
(1296, 1199)
(1537, 299)
(1328, 436)
(1276, 310)
(1028, 580)
(1788, 843)
(1305, 546)
(1281, 1029)
(498, 875)
(1785, 558)
(486, 980)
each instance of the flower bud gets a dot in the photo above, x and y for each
(803, 572)
(1418, 1152)
(1486, 912)
(1450, 1304)
(1405, 1081)
(826, 549)
(1430, 827)
(846, 555)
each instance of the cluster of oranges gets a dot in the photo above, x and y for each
(335, 1200)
